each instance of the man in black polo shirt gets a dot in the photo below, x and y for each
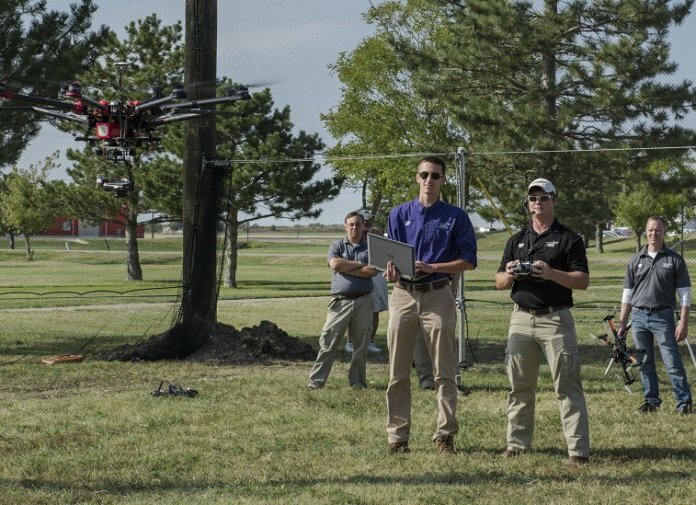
(542, 264)
(653, 277)
(350, 308)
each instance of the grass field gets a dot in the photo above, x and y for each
(93, 433)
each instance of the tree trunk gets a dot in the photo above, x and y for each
(28, 251)
(231, 243)
(135, 272)
(599, 237)
(12, 241)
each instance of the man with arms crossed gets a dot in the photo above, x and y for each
(445, 244)
(350, 308)
(652, 277)
(542, 264)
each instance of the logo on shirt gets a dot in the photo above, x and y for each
(408, 223)
(551, 244)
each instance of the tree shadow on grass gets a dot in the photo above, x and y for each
(512, 473)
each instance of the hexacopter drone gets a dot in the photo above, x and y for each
(118, 128)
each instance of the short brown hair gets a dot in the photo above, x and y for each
(657, 218)
(353, 214)
(435, 160)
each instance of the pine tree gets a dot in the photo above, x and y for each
(40, 49)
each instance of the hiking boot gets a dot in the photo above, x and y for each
(685, 409)
(647, 407)
(399, 447)
(445, 444)
(577, 460)
(510, 453)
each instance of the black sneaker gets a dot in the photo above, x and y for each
(685, 409)
(647, 407)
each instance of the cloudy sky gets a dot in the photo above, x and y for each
(289, 44)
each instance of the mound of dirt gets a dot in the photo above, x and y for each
(226, 345)
(257, 344)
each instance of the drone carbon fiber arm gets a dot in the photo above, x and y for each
(37, 100)
(68, 116)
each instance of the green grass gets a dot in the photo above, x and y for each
(92, 433)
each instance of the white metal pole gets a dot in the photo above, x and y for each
(461, 306)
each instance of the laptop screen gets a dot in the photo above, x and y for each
(382, 250)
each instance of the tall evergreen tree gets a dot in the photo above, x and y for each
(284, 187)
(39, 49)
(154, 57)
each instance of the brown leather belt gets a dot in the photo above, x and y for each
(423, 287)
(542, 311)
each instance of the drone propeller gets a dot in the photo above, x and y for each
(253, 84)
(231, 95)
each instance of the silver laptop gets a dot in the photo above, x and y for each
(381, 250)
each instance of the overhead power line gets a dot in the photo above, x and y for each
(325, 158)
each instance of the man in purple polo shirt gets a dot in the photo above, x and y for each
(445, 244)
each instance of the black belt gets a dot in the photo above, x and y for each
(349, 297)
(423, 287)
(653, 309)
(542, 311)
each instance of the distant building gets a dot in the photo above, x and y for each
(66, 227)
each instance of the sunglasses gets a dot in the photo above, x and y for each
(433, 175)
(539, 198)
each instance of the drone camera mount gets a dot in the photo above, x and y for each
(118, 188)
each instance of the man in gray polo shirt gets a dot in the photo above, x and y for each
(653, 276)
(350, 308)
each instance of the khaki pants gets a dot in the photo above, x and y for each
(434, 312)
(355, 317)
(552, 335)
(422, 361)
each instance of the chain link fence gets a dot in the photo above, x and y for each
(74, 299)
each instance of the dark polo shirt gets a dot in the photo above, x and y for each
(561, 248)
(654, 281)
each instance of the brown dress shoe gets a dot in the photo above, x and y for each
(399, 447)
(445, 444)
(577, 460)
